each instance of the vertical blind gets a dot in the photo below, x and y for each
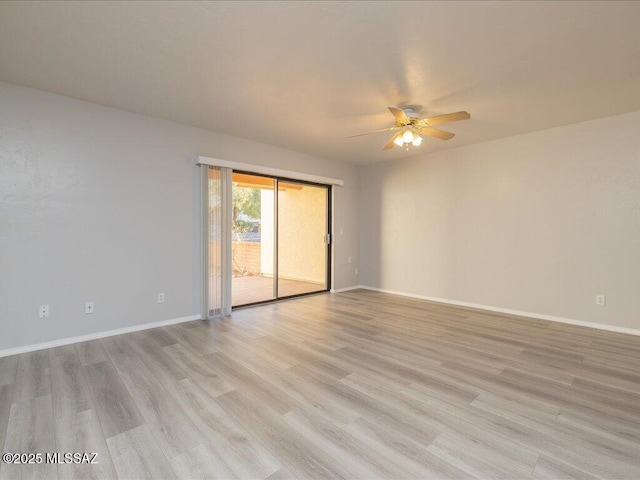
(214, 240)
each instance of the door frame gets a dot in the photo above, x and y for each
(328, 242)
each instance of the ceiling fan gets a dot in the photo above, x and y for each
(410, 127)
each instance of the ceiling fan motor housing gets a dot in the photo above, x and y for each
(410, 113)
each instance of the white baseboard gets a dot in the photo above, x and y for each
(146, 326)
(94, 336)
(340, 290)
(520, 313)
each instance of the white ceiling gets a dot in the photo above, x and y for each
(305, 75)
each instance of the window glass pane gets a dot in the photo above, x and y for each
(302, 229)
(252, 246)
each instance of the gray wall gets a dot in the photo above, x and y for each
(98, 204)
(102, 205)
(539, 223)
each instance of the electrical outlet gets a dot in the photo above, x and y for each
(356, 270)
(601, 300)
(43, 311)
(161, 298)
(348, 259)
(88, 307)
(342, 231)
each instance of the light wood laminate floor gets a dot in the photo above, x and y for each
(353, 385)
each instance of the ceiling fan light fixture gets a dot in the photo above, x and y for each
(409, 127)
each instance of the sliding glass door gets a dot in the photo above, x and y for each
(280, 238)
(253, 239)
(303, 220)
(264, 238)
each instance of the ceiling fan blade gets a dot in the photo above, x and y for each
(449, 117)
(435, 132)
(390, 143)
(399, 114)
(375, 131)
